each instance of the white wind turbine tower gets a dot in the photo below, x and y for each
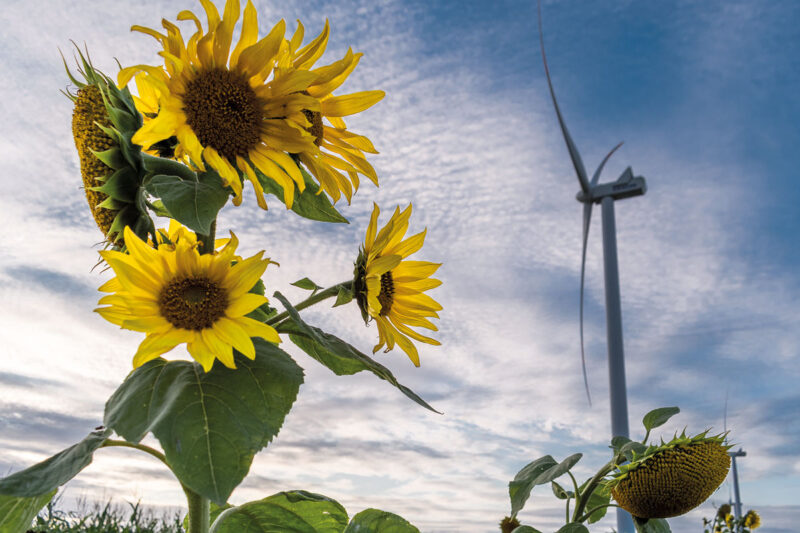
(605, 194)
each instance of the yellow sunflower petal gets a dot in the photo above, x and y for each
(201, 353)
(254, 328)
(234, 333)
(156, 344)
(308, 55)
(245, 304)
(221, 350)
(249, 34)
(350, 104)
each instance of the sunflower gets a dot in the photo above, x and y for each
(341, 151)
(216, 107)
(724, 511)
(390, 290)
(673, 478)
(752, 520)
(103, 120)
(177, 233)
(175, 296)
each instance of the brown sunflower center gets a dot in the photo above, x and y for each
(193, 303)
(386, 296)
(224, 112)
(315, 118)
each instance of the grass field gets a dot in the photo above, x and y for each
(108, 518)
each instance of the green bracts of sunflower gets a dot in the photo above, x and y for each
(103, 121)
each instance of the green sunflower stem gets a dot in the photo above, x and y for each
(109, 443)
(591, 511)
(207, 241)
(583, 498)
(199, 512)
(577, 491)
(315, 298)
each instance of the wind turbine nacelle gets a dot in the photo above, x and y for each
(626, 186)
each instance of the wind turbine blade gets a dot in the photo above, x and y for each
(573, 151)
(587, 218)
(597, 172)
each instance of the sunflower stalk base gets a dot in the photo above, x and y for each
(199, 512)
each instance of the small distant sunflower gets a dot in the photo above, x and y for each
(175, 296)
(724, 511)
(391, 290)
(103, 120)
(177, 233)
(752, 520)
(508, 524)
(341, 151)
(673, 478)
(216, 107)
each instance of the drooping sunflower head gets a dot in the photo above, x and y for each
(103, 120)
(175, 295)
(226, 108)
(752, 520)
(390, 289)
(341, 157)
(673, 478)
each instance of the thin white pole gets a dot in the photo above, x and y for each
(616, 356)
(737, 508)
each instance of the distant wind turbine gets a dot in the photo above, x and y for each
(605, 194)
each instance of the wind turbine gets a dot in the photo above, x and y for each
(605, 194)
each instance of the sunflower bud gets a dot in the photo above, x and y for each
(671, 479)
(723, 511)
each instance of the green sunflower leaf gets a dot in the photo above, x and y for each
(659, 417)
(630, 448)
(653, 525)
(44, 477)
(377, 521)
(310, 203)
(295, 511)
(519, 490)
(339, 356)
(560, 492)
(194, 204)
(618, 442)
(16, 513)
(210, 425)
(558, 470)
(159, 165)
(540, 472)
(306, 284)
(158, 208)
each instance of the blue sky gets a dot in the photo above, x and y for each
(704, 96)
